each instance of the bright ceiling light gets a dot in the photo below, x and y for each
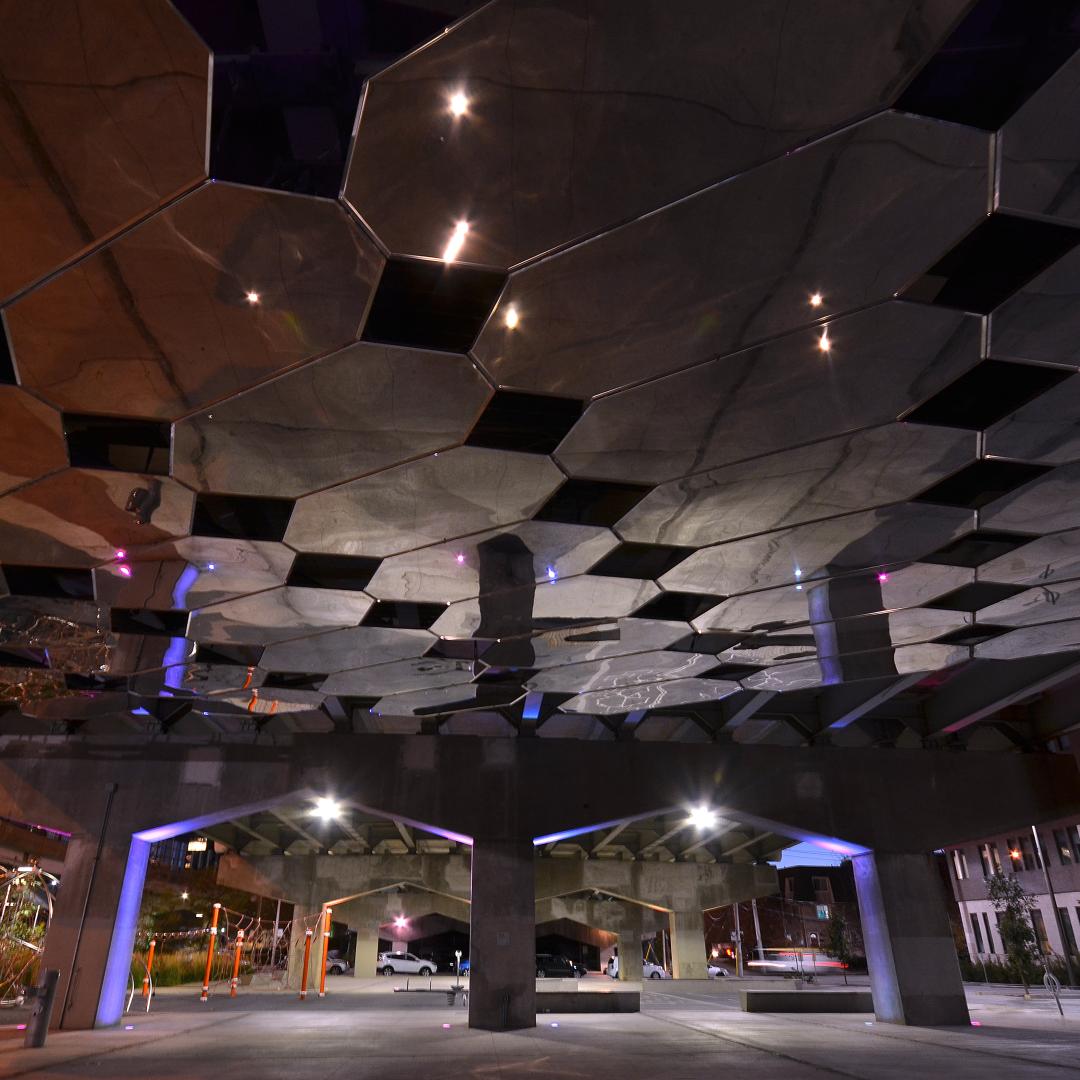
(327, 808)
(511, 318)
(401, 922)
(816, 300)
(824, 344)
(251, 296)
(456, 242)
(701, 817)
(459, 103)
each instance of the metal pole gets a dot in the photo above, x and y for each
(236, 963)
(757, 930)
(149, 965)
(111, 789)
(38, 1027)
(325, 950)
(738, 942)
(1053, 903)
(307, 960)
(273, 947)
(210, 953)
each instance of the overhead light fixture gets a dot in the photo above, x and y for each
(459, 103)
(701, 817)
(124, 570)
(327, 808)
(883, 577)
(824, 344)
(511, 317)
(456, 242)
(184, 896)
(251, 296)
(198, 844)
(401, 922)
(816, 300)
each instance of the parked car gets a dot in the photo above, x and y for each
(404, 963)
(649, 970)
(717, 972)
(337, 964)
(549, 966)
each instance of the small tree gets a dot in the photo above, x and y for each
(838, 941)
(1014, 908)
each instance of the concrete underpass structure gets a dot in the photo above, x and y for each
(889, 810)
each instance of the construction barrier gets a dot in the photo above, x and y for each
(149, 967)
(210, 953)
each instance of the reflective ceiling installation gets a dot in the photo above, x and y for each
(594, 370)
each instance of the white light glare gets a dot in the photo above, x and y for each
(327, 808)
(456, 242)
(459, 103)
(251, 296)
(816, 300)
(701, 817)
(401, 922)
(511, 318)
(824, 344)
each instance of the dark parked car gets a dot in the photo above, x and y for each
(555, 967)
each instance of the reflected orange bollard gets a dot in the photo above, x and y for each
(236, 963)
(210, 954)
(307, 960)
(149, 968)
(325, 950)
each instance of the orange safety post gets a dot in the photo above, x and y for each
(149, 966)
(325, 950)
(307, 960)
(236, 963)
(210, 953)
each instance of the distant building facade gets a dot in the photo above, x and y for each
(1055, 852)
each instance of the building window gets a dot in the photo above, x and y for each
(1028, 855)
(991, 859)
(989, 937)
(959, 862)
(822, 887)
(977, 932)
(1064, 847)
(1067, 930)
(1016, 856)
(1040, 931)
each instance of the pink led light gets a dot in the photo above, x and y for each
(446, 1027)
(460, 559)
(883, 578)
(125, 570)
(120, 554)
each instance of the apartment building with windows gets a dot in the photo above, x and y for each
(1046, 862)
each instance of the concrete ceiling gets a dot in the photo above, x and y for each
(736, 415)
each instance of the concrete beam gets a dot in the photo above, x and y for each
(984, 688)
(843, 705)
(742, 706)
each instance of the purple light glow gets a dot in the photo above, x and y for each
(125, 570)
(883, 578)
(460, 558)
(120, 554)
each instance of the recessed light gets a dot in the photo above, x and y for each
(511, 318)
(459, 103)
(824, 344)
(816, 300)
(456, 241)
(251, 296)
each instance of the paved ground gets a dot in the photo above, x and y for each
(686, 1031)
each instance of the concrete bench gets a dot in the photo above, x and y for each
(807, 1001)
(588, 1001)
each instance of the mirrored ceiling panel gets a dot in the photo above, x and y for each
(1046, 430)
(278, 615)
(599, 317)
(781, 394)
(621, 671)
(31, 438)
(1052, 501)
(425, 673)
(351, 413)
(1043, 561)
(347, 649)
(893, 534)
(78, 517)
(541, 122)
(224, 288)
(533, 551)
(463, 491)
(627, 699)
(103, 118)
(855, 472)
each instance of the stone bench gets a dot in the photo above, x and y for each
(807, 1001)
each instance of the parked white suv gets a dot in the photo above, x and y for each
(404, 963)
(648, 970)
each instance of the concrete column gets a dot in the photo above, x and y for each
(86, 996)
(364, 916)
(502, 947)
(630, 956)
(914, 973)
(688, 960)
(304, 918)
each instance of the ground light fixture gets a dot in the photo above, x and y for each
(327, 808)
(701, 817)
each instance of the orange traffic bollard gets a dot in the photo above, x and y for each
(210, 953)
(149, 966)
(307, 960)
(236, 963)
(325, 950)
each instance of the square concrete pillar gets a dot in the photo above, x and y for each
(305, 917)
(630, 969)
(502, 946)
(914, 971)
(688, 960)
